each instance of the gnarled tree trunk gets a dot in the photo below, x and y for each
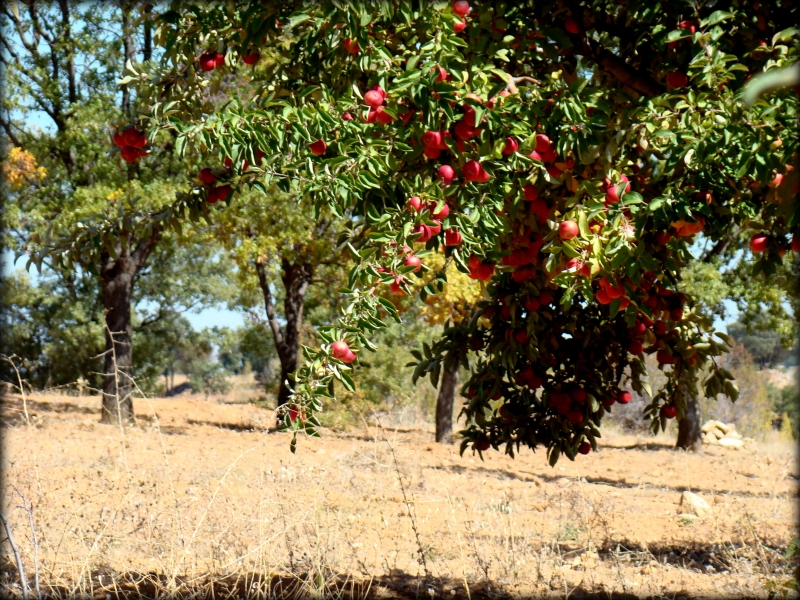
(689, 434)
(444, 405)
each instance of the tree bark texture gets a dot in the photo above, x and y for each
(444, 405)
(117, 278)
(296, 279)
(689, 434)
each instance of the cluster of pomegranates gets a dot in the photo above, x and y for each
(131, 143)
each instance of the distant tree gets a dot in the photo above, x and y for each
(764, 345)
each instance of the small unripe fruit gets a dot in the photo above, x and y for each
(446, 174)
(624, 397)
(318, 148)
(567, 230)
(461, 8)
(759, 243)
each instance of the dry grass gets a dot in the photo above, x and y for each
(202, 499)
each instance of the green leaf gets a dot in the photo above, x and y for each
(716, 17)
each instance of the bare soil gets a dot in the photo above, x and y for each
(202, 499)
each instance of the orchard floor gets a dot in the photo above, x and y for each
(201, 499)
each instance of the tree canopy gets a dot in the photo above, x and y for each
(566, 154)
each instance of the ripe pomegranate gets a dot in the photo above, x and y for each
(531, 193)
(546, 297)
(759, 243)
(636, 347)
(396, 286)
(206, 176)
(624, 397)
(542, 143)
(352, 46)
(585, 448)
(575, 417)
(669, 411)
(511, 146)
(460, 26)
(441, 75)
(452, 237)
(413, 261)
(373, 98)
(119, 139)
(474, 171)
(339, 349)
(251, 59)
(442, 213)
(347, 117)
(432, 139)
(318, 148)
(567, 230)
(461, 8)
(383, 117)
(436, 228)
(129, 154)
(414, 204)
(677, 79)
(431, 152)
(795, 244)
(424, 231)
(571, 25)
(464, 130)
(208, 61)
(446, 174)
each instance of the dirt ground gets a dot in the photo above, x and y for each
(202, 498)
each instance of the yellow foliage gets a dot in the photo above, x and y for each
(21, 168)
(456, 299)
(786, 428)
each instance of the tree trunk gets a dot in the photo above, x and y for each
(117, 288)
(444, 405)
(296, 279)
(117, 277)
(689, 427)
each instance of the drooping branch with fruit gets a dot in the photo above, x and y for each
(574, 198)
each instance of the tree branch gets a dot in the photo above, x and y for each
(67, 34)
(269, 305)
(146, 246)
